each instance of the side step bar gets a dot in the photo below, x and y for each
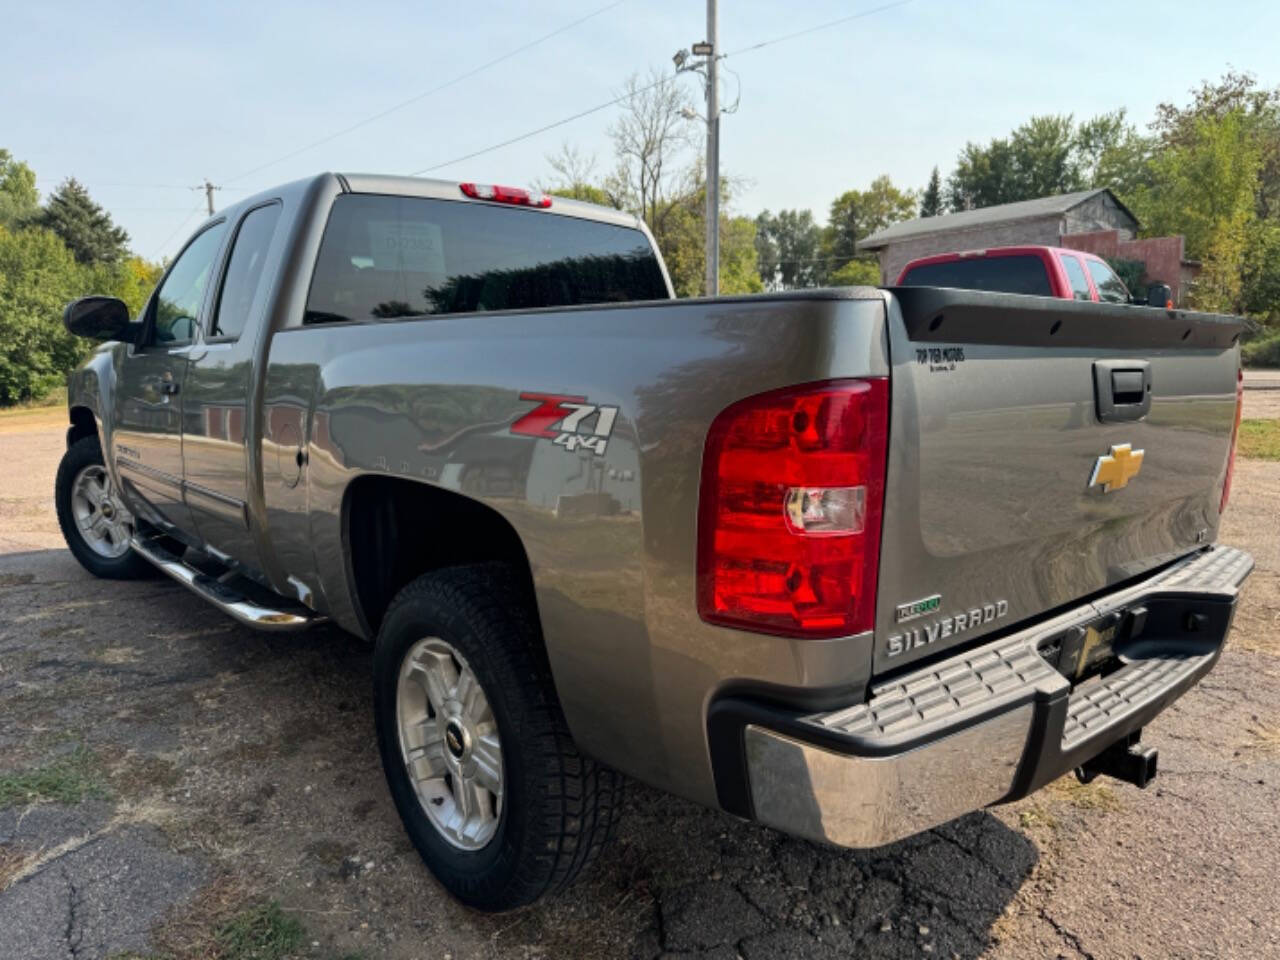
(284, 618)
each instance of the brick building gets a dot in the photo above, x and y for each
(1090, 220)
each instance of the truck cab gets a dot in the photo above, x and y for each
(1035, 270)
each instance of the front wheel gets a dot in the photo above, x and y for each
(491, 789)
(95, 523)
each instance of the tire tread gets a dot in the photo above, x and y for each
(577, 800)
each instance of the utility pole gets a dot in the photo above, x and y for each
(708, 50)
(713, 153)
(208, 189)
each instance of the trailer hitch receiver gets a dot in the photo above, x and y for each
(1125, 760)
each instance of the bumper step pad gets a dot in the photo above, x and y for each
(989, 676)
(990, 724)
(1098, 707)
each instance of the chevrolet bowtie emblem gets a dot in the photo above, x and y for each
(1115, 470)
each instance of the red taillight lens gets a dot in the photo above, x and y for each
(1235, 432)
(789, 518)
(513, 195)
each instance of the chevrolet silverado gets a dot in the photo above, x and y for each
(851, 563)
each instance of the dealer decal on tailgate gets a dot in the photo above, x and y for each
(558, 417)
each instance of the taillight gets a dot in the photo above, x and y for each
(789, 517)
(1235, 432)
(515, 195)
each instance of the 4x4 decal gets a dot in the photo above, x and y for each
(569, 412)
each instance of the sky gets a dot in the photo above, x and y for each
(140, 101)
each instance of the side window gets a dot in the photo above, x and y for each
(177, 303)
(244, 271)
(1111, 289)
(1075, 275)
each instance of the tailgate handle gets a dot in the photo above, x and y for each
(1122, 389)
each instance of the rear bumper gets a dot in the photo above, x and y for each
(986, 726)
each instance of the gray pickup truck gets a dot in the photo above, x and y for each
(848, 562)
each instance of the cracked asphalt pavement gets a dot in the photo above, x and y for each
(211, 755)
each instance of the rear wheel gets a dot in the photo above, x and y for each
(490, 787)
(95, 522)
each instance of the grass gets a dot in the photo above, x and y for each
(1037, 816)
(1259, 439)
(12, 863)
(263, 932)
(1263, 736)
(56, 398)
(67, 780)
(1085, 796)
(259, 932)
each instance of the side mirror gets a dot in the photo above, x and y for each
(97, 318)
(1160, 295)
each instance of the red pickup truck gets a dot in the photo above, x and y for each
(1039, 271)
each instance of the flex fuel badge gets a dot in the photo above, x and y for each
(559, 418)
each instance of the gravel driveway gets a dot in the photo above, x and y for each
(191, 768)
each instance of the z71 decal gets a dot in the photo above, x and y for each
(558, 418)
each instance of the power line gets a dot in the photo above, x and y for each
(663, 79)
(123, 185)
(160, 249)
(821, 26)
(549, 126)
(426, 93)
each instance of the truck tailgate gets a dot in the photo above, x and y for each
(1041, 451)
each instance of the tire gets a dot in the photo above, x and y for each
(557, 808)
(107, 556)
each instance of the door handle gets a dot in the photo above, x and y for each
(1122, 389)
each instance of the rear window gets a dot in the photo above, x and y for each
(1019, 273)
(386, 257)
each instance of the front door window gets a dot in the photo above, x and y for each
(177, 302)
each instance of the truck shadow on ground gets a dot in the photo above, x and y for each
(258, 754)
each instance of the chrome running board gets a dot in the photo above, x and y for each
(283, 618)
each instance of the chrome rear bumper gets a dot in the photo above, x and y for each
(988, 725)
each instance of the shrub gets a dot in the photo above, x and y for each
(1262, 352)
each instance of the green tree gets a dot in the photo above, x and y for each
(682, 242)
(983, 177)
(1112, 153)
(789, 250)
(856, 273)
(931, 199)
(1038, 159)
(1044, 157)
(1259, 107)
(1260, 277)
(738, 270)
(19, 200)
(1204, 187)
(856, 214)
(1182, 131)
(84, 227)
(38, 275)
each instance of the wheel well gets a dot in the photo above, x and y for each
(396, 530)
(83, 424)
